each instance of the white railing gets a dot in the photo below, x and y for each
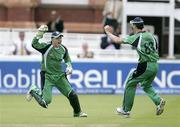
(65, 2)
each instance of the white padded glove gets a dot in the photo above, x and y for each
(41, 31)
(43, 28)
(69, 70)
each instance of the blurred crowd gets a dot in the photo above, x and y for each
(112, 15)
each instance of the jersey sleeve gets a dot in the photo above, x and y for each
(37, 45)
(41, 47)
(130, 39)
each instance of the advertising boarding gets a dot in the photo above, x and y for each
(88, 77)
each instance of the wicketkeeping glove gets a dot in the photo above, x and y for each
(69, 70)
(41, 30)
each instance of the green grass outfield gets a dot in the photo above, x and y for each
(16, 112)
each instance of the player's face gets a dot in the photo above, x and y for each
(57, 41)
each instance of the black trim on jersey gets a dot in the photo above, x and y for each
(66, 52)
(135, 43)
(42, 74)
(156, 42)
(141, 68)
(43, 50)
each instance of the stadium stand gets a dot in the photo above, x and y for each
(17, 24)
(84, 27)
(73, 41)
(78, 27)
(72, 27)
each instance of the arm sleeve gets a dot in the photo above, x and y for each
(131, 40)
(41, 47)
(37, 45)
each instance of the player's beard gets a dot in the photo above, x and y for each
(56, 44)
(59, 43)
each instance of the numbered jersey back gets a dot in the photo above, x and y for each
(146, 46)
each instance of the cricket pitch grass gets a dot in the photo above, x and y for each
(15, 111)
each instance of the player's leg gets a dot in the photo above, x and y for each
(128, 99)
(42, 74)
(65, 88)
(29, 96)
(147, 87)
(46, 96)
(158, 101)
(133, 79)
(47, 91)
(129, 93)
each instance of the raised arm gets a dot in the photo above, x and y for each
(35, 42)
(109, 31)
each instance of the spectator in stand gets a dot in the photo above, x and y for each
(55, 23)
(21, 48)
(112, 13)
(107, 43)
(85, 52)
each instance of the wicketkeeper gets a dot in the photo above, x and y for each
(53, 54)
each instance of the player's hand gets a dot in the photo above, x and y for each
(69, 70)
(108, 29)
(43, 28)
(41, 31)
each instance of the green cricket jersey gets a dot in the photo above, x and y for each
(146, 46)
(52, 57)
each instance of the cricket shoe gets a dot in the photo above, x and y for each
(81, 114)
(43, 104)
(28, 95)
(121, 112)
(160, 107)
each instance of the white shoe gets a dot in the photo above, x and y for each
(160, 107)
(81, 114)
(28, 94)
(120, 111)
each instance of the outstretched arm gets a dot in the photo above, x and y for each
(35, 42)
(109, 31)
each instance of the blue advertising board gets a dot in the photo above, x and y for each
(88, 77)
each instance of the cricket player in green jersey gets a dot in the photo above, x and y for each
(54, 53)
(147, 49)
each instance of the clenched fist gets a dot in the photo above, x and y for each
(108, 29)
(41, 31)
(43, 28)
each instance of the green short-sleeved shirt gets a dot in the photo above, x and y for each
(146, 46)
